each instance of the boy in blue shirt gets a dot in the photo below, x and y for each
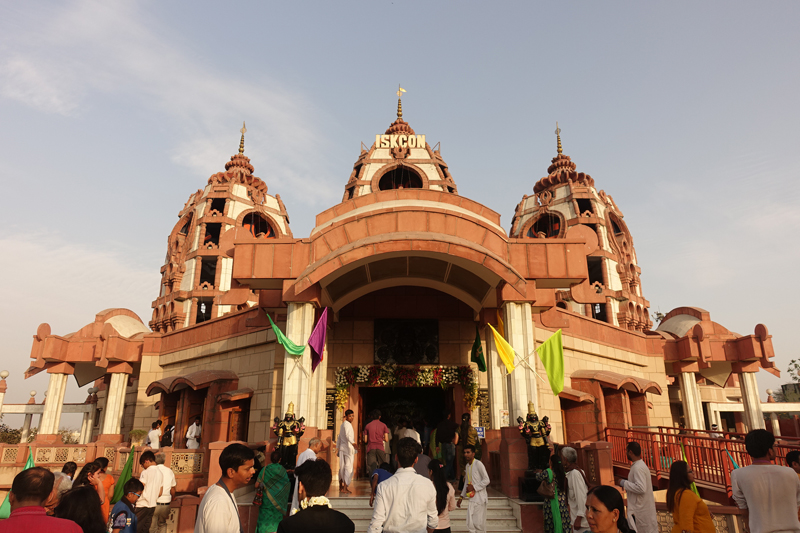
(123, 515)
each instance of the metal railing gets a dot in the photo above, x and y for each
(711, 459)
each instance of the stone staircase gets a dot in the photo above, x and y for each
(499, 515)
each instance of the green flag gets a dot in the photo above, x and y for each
(551, 352)
(124, 476)
(694, 487)
(284, 341)
(5, 509)
(477, 352)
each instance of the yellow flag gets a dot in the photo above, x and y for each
(551, 352)
(504, 350)
(500, 324)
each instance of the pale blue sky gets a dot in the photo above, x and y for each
(110, 117)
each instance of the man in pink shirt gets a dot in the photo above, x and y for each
(376, 433)
(29, 490)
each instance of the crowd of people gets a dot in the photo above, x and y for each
(416, 496)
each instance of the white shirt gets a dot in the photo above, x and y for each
(641, 502)
(307, 455)
(154, 438)
(409, 432)
(345, 443)
(577, 497)
(406, 502)
(167, 482)
(152, 480)
(771, 493)
(477, 475)
(191, 436)
(217, 513)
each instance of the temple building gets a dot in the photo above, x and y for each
(409, 270)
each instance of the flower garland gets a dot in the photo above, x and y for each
(313, 501)
(406, 376)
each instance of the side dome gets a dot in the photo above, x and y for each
(567, 204)
(399, 159)
(196, 272)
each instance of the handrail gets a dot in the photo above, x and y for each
(668, 429)
(710, 458)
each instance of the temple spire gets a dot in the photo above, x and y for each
(241, 143)
(558, 136)
(400, 92)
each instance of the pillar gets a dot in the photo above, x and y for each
(115, 404)
(53, 404)
(26, 429)
(3, 387)
(753, 415)
(296, 384)
(690, 397)
(522, 387)
(498, 388)
(776, 424)
(319, 382)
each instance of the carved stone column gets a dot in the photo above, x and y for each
(522, 387)
(51, 417)
(753, 415)
(690, 397)
(296, 384)
(115, 404)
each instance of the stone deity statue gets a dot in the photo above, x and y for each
(289, 432)
(535, 433)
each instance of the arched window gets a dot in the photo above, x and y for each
(400, 178)
(547, 224)
(258, 227)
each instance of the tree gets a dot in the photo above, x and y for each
(658, 317)
(794, 370)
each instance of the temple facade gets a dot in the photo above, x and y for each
(410, 272)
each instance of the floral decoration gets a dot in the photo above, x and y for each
(406, 376)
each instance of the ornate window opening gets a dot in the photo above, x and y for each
(208, 272)
(595, 267)
(185, 228)
(547, 225)
(599, 312)
(400, 178)
(258, 227)
(584, 205)
(212, 235)
(203, 310)
(218, 205)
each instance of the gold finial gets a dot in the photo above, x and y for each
(558, 136)
(400, 92)
(241, 143)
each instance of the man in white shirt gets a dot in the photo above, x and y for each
(152, 480)
(639, 486)
(475, 490)
(315, 446)
(154, 436)
(577, 490)
(769, 494)
(161, 514)
(346, 444)
(193, 434)
(218, 512)
(406, 502)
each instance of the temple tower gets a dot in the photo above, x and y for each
(197, 271)
(567, 204)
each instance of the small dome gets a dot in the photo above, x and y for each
(400, 126)
(561, 163)
(240, 161)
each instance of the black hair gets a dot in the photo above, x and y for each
(83, 476)
(793, 457)
(33, 484)
(758, 443)
(82, 505)
(315, 476)
(678, 482)
(634, 448)
(375, 414)
(147, 456)
(440, 482)
(132, 485)
(559, 476)
(102, 461)
(155, 424)
(233, 456)
(69, 468)
(348, 412)
(275, 456)
(386, 466)
(612, 499)
(470, 447)
(407, 451)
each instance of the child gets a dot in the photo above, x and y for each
(123, 515)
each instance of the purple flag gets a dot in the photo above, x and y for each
(317, 339)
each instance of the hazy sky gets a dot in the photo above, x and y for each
(113, 113)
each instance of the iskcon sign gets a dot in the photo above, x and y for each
(400, 141)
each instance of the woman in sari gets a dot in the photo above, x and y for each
(273, 486)
(556, 509)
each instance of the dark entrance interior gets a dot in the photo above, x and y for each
(418, 404)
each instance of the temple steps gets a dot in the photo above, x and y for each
(499, 514)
